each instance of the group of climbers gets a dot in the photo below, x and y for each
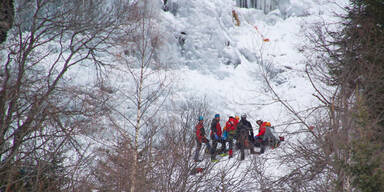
(235, 129)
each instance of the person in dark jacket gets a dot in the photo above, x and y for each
(216, 137)
(200, 138)
(244, 135)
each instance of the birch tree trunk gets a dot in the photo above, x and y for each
(138, 116)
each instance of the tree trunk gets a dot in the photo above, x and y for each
(6, 18)
(138, 122)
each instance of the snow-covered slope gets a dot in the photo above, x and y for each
(226, 64)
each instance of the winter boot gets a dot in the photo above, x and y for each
(262, 148)
(207, 151)
(251, 148)
(242, 156)
(214, 160)
(237, 144)
(223, 154)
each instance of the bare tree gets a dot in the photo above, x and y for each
(6, 18)
(174, 154)
(326, 155)
(142, 85)
(42, 109)
(312, 162)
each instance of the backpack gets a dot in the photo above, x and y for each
(269, 135)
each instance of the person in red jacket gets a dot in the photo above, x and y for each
(200, 138)
(262, 127)
(260, 136)
(216, 136)
(230, 133)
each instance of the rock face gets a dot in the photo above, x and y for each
(266, 5)
(6, 18)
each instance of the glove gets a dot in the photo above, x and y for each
(225, 134)
(216, 137)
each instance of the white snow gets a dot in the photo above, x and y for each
(239, 87)
(226, 64)
(233, 88)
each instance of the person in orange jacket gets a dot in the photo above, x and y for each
(200, 138)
